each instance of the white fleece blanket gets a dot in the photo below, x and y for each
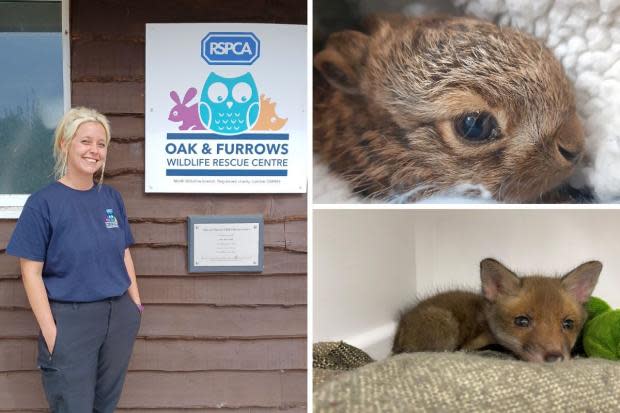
(585, 36)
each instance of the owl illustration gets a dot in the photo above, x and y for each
(229, 105)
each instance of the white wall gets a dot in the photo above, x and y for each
(449, 245)
(369, 264)
(364, 271)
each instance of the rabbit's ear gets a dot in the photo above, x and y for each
(175, 97)
(342, 60)
(189, 95)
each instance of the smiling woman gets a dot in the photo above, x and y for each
(73, 241)
(80, 147)
(88, 149)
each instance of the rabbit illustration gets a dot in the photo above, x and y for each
(421, 105)
(183, 113)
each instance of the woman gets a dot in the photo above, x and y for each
(72, 239)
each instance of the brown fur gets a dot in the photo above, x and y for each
(385, 105)
(460, 320)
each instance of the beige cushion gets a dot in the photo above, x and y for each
(466, 382)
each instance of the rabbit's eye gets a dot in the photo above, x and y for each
(477, 127)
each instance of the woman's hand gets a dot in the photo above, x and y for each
(32, 276)
(50, 338)
(133, 288)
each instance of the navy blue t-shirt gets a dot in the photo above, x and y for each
(81, 237)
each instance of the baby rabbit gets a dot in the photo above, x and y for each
(422, 105)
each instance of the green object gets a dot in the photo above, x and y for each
(601, 333)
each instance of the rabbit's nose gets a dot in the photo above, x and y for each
(229, 104)
(570, 156)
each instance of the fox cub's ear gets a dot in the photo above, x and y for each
(342, 60)
(581, 281)
(497, 279)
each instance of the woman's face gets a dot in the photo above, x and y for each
(88, 149)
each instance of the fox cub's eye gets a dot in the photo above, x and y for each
(568, 324)
(477, 126)
(522, 321)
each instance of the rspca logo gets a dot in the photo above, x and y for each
(230, 48)
(110, 219)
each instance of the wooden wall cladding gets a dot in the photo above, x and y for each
(19, 354)
(208, 341)
(125, 20)
(177, 390)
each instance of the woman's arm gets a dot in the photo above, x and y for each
(32, 276)
(133, 288)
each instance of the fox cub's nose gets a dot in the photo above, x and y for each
(551, 357)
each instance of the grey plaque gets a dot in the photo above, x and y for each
(225, 243)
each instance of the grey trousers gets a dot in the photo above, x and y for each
(87, 367)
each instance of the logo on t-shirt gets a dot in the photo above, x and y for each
(110, 220)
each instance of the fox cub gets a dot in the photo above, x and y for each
(537, 318)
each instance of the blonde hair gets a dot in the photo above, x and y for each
(65, 131)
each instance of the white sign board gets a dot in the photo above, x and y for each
(226, 108)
